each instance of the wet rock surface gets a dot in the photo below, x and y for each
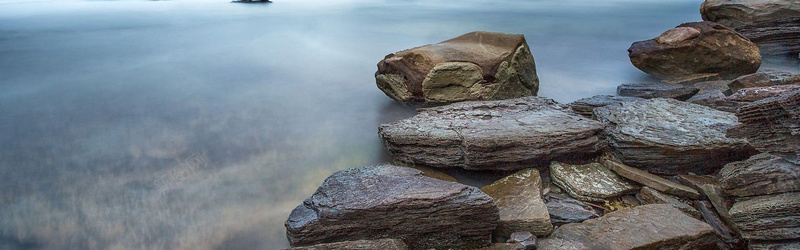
(518, 197)
(492, 135)
(774, 24)
(651, 196)
(384, 244)
(768, 217)
(474, 66)
(649, 180)
(590, 182)
(726, 54)
(565, 210)
(654, 226)
(585, 106)
(666, 136)
(772, 125)
(649, 90)
(761, 174)
(387, 201)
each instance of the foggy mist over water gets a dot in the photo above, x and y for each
(201, 124)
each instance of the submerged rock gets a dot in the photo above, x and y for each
(675, 57)
(518, 197)
(564, 210)
(654, 226)
(761, 174)
(590, 182)
(387, 201)
(649, 90)
(772, 24)
(474, 66)
(768, 217)
(666, 136)
(649, 180)
(651, 196)
(585, 106)
(384, 244)
(492, 135)
(772, 125)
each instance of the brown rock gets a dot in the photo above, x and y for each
(518, 197)
(654, 226)
(707, 99)
(749, 95)
(648, 179)
(385, 244)
(768, 217)
(677, 35)
(725, 53)
(761, 174)
(772, 24)
(772, 125)
(651, 196)
(492, 135)
(590, 182)
(719, 85)
(474, 66)
(710, 188)
(774, 245)
(651, 90)
(725, 232)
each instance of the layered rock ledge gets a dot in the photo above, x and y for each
(772, 24)
(772, 125)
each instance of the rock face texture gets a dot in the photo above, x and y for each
(654, 226)
(585, 106)
(474, 66)
(387, 201)
(768, 217)
(590, 182)
(772, 125)
(651, 196)
(519, 198)
(673, 55)
(387, 244)
(498, 135)
(761, 174)
(749, 95)
(666, 136)
(712, 190)
(763, 79)
(649, 180)
(565, 210)
(772, 24)
(651, 90)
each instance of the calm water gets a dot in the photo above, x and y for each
(200, 124)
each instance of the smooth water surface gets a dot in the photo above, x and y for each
(199, 124)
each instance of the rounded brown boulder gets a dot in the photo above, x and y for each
(696, 50)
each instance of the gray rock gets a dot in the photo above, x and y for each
(564, 210)
(720, 85)
(654, 226)
(590, 182)
(474, 66)
(774, 245)
(504, 246)
(526, 239)
(585, 106)
(518, 197)
(749, 95)
(651, 196)
(710, 188)
(387, 201)
(768, 217)
(725, 232)
(772, 125)
(666, 136)
(648, 179)
(492, 135)
(387, 244)
(708, 98)
(649, 90)
(678, 60)
(772, 24)
(761, 174)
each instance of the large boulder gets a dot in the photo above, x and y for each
(474, 66)
(761, 174)
(654, 226)
(519, 198)
(768, 217)
(387, 201)
(585, 106)
(590, 182)
(772, 24)
(772, 125)
(492, 135)
(669, 137)
(674, 55)
(649, 90)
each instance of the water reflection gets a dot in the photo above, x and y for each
(100, 100)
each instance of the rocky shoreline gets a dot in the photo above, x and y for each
(708, 158)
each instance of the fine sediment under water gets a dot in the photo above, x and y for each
(199, 124)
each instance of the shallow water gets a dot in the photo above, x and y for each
(200, 124)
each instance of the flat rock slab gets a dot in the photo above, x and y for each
(761, 174)
(492, 135)
(564, 210)
(519, 198)
(585, 106)
(384, 244)
(474, 66)
(649, 180)
(774, 245)
(669, 137)
(651, 196)
(749, 95)
(649, 90)
(387, 201)
(709, 187)
(773, 25)
(677, 59)
(654, 226)
(719, 85)
(772, 125)
(590, 182)
(768, 217)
